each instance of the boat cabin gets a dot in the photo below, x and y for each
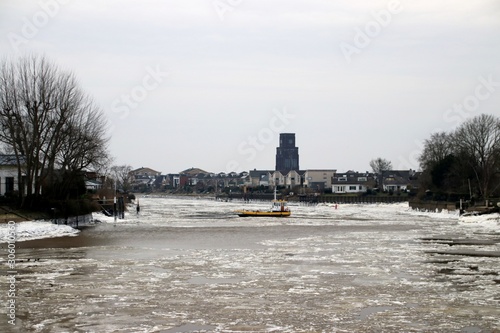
(279, 206)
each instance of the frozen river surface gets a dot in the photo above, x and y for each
(194, 266)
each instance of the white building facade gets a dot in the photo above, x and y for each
(319, 178)
(8, 175)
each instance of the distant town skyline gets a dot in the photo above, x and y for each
(211, 84)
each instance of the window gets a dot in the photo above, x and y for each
(343, 179)
(9, 184)
(362, 179)
(352, 188)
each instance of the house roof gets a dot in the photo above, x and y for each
(356, 173)
(258, 173)
(352, 175)
(145, 170)
(264, 178)
(10, 160)
(396, 181)
(193, 171)
(353, 178)
(397, 177)
(397, 173)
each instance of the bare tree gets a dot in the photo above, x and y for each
(379, 165)
(47, 120)
(436, 162)
(478, 139)
(121, 174)
(84, 146)
(436, 149)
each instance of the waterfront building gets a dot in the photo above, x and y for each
(353, 182)
(319, 179)
(8, 174)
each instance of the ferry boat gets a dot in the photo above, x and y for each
(279, 208)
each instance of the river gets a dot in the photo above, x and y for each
(193, 265)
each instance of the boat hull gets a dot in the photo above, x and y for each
(249, 213)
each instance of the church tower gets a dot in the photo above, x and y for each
(287, 155)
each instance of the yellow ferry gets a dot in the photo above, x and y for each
(279, 208)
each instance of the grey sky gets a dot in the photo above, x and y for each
(355, 80)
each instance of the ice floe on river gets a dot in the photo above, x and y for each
(484, 223)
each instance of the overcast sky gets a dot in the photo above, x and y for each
(211, 84)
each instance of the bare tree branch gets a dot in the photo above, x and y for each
(49, 121)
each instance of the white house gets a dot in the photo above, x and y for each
(352, 182)
(294, 178)
(93, 185)
(319, 179)
(396, 180)
(277, 179)
(260, 177)
(8, 174)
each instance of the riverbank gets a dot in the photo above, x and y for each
(31, 230)
(8, 213)
(428, 205)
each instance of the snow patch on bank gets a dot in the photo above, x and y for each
(35, 230)
(484, 223)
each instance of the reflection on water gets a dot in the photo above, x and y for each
(192, 266)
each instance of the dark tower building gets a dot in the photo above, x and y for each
(287, 155)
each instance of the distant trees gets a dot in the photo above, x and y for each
(468, 155)
(121, 175)
(436, 149)
(47, 120)
(478, 141)
(379, 165)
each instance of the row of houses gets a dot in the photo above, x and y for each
(319, 180)
(315, 179)
(387, 181)
(147, 178)
(340, 183)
